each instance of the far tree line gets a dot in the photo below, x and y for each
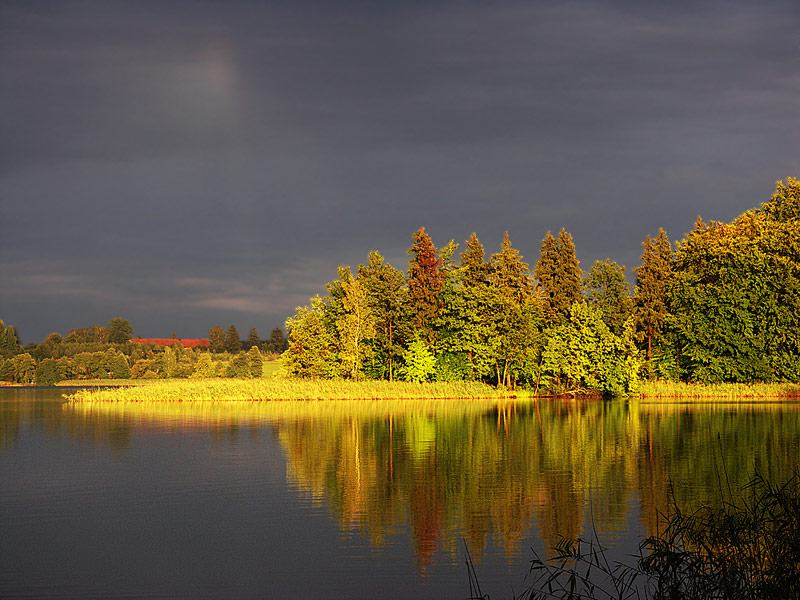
(720, 305)
(111, 352)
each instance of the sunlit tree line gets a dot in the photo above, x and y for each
(722, 305)
(466, 316)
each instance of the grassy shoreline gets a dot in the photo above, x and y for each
(227, 390)
(266, 389)
(721, 392)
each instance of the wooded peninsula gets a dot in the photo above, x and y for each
(722, 305)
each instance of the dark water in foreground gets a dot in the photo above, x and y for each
(348, 500)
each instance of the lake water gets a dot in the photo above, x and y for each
(346, 499)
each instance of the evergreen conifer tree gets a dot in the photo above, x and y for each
(473, 266)
(509, 273)
(277, 341)
(253, 341)
(425, 283)
(232, 342)
(216, 335)
(650, 296)
(559, 276)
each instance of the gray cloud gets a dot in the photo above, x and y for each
(251, 148)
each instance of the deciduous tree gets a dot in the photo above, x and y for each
(735, 297)
(584, 354)
(9, 341)
(419, 362)
(605, 286)
(387, 300)
(312, 348)
(356, 325)
(119, 331)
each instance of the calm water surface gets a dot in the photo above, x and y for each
(345, 499)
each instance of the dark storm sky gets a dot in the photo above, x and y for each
(186, 164)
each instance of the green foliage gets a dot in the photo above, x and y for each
(239, 366)
(583, 354)
(558, 276)
(452, 366)
(216, 335)
(9, 341)
(6, 369)
(355, 326)
(49, 348)
(119, 331)
(605, 286)
(784, 206)
(255, 362)
(232, 342)
(165, 364)
(425, 283)
(50, 371)
(143, 369)
(387, 302)
(95, 334)
(474, 270)
(253, 340)
(23, 368)
(735, 300)
(205, 366)
(650, 296)
(312, 348)
(509, 273)
(277, 342)
(115, 364)
(420, 363)
(725, 308)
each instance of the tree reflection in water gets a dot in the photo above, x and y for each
(449, 470)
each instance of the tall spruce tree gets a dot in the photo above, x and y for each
(216, 335)
(559, 276)
(509, 273)
(232, 342)
(650, 296)
(425, 283)
(473, 267)
(253, 341)
(277, 342)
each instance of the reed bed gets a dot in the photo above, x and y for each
(243, 413)
(232, 390)
(722, 392)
